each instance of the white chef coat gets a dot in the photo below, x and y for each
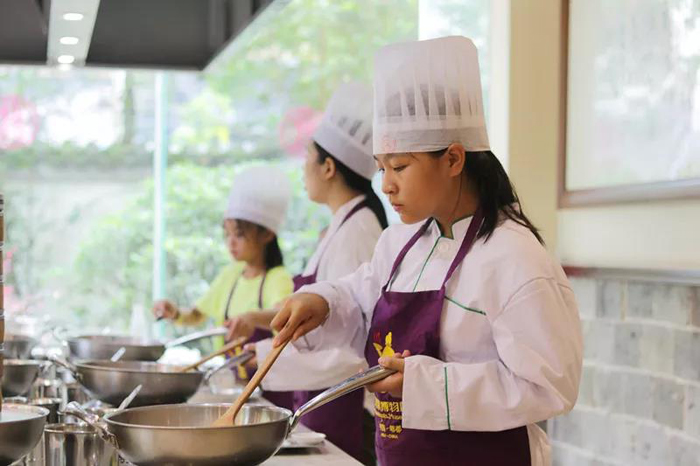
(510, 334)
(341, 252)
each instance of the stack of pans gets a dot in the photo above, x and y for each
(21, 426)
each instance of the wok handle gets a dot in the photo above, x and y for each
(237, 360)
(214, 332)
(56, 359)
(93, 420)
(351, 384)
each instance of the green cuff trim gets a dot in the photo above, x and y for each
(447, 402)
(470, 309)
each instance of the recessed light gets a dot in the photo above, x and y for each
(66, 59)
(68, 40)
(73, 16)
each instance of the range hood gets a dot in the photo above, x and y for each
(155, 34)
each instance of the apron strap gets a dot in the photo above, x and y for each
(260, 291)
(352, 212)
(233, 290)
(230, 295)
(467, 243)
(405, 250)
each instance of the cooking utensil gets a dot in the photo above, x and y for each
(19, 375)
(19, 346)
(118, 354)
(229, 416)
(111, 382)
(224, 349)
(127, 401)
(21, 427)
(136, 349)
(183, 435)
(76, 444)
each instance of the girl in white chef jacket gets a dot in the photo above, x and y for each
(338, 173)
(463, 301)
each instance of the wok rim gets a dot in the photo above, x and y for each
(84, 365)
(22, 362)
(108, 417)
(38, 411)
(151, 344)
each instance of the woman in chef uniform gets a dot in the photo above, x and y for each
(463, 301)
(337, 173)
(257, 278)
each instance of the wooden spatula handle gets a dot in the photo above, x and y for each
(224, 349)
(229, 416)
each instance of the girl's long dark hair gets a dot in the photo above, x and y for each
(273, 253)
(497, 195)
(358, 183)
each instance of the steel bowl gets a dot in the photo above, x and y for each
(19, 346)
(19, 375)
(21, 427)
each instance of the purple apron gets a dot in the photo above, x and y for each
(341, 419)
(283, 399)
(412, 321)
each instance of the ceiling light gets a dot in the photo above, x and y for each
(73, 16)
(68, 40)
(66, 59)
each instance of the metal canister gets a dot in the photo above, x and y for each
(76, 444)
(36, 456)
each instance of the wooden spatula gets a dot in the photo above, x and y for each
(224, 349)
(228, 418)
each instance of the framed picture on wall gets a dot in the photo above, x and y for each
(631, 107)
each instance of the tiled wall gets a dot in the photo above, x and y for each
(639, 402)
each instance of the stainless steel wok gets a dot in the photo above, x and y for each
(19, 375)
(136, 349)
(21, 427)
(19, 346)
(182, 435)
(111, 382)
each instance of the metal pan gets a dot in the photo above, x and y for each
(19, 346)
(111, 382)
(183, 435)
(104, 346)
(21, 427)
(19, 375)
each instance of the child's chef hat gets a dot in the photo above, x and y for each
(260, 194)
(427, 95)
(345, 131)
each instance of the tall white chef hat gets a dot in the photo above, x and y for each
(260, 194)
(346, 128)
(427, 95)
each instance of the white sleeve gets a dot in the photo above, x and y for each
(309, 371)
(351, 300)
(539, 342)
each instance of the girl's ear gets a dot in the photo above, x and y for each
(266, 236)
(329, 168)
(455, 154)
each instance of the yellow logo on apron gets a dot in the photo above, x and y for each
(386, 350)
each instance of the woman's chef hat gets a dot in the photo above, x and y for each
(427, 95)
(346, 128)
(260, 194)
